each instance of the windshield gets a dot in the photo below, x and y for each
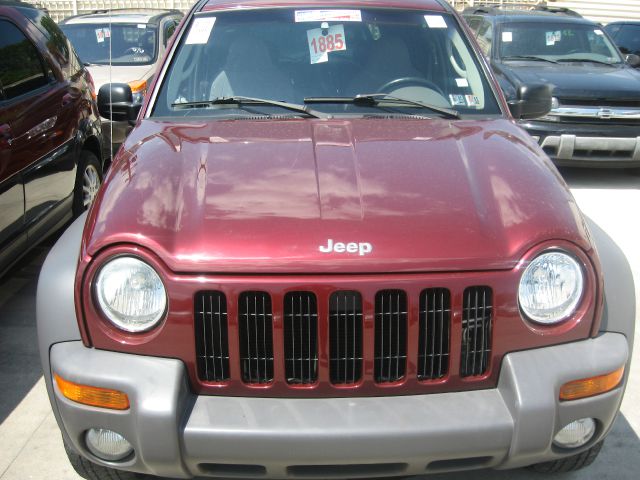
(131, 44)
(324, 58)
(557, 41)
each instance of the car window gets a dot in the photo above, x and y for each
(474, 23)
(124, 44)
(612, 30)
(21, 67)
(422, 56)
(60, 46)
(628, 39)
(554, 40)
(169, 30)
(485, 37)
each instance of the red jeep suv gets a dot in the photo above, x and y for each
(327, 250)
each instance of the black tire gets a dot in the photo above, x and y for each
(569, 464)
(89, 171)
(91, 471)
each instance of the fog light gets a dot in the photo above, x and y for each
(576, 434)
(107, 444)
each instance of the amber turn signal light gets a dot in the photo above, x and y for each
(138, 86)
(588, 387)
(94, 396)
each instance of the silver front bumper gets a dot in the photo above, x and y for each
(178, 434)
(581, 149)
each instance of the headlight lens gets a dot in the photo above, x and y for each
(551, 287)
(131, 294)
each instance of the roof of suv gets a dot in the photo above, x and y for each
(16, 3)
(121, 16)
(413, 4)
(538, 15)
(625, 22)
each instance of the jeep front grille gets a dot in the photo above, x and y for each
(435, 328)
(301, 337)
(476, 331)
(345, 337)
(212, 344)
(391, 336)
(256, 337)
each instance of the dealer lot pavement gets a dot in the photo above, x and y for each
(30, 442)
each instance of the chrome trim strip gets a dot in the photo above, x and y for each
(614, 113)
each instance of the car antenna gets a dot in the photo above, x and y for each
(110, 100)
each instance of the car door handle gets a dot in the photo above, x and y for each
(5, 134)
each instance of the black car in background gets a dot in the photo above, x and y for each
(50, 132)
(626, 35)
(595, 115)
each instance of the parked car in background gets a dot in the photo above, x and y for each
(323, 253)
(50, 155)
(122, 46)
(626, 35)
(595, 117)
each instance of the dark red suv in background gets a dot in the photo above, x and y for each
(50, 155)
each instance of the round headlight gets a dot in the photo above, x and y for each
(131, 294)
(550, 288)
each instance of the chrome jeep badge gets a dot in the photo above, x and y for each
(361, 248)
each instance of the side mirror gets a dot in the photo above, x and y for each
(532, 101)
(633, 60)
(115, 102)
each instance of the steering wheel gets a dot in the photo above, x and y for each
(405, 81)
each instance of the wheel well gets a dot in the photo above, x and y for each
(93, 145)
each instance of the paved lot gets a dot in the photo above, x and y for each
(30, 444)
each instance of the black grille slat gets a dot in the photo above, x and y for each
(345, 337)
(435, 328)
(390, 335)
(301, 337)
(212, 343)
(256, 337)
(477, 315)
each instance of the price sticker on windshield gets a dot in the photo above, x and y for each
(323, 41)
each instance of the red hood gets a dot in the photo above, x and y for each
(262, 196)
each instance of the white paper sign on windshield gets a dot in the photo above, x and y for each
(435, 21)
(200, 31)
(323, 41)
(328, 16)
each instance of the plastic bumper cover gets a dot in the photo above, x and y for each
(587, 145)
(178, 434)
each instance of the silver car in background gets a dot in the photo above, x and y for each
(122, 47)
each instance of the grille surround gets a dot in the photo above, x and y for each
(175, 337)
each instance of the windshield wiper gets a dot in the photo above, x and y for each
(375, 99)
(585, 60)
(528, 57)
(239, 100)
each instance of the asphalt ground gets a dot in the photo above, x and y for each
(30, 442)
